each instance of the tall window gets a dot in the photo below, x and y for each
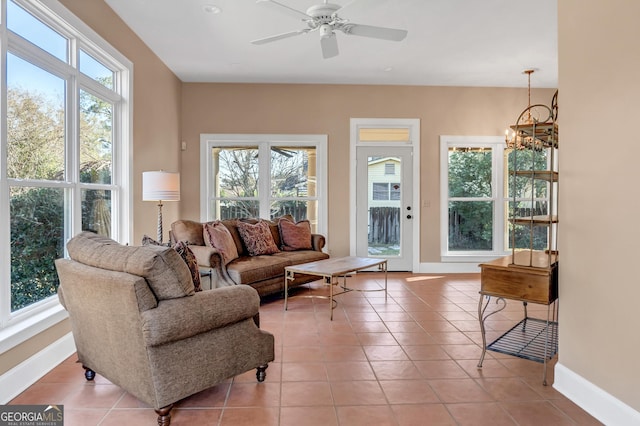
(63, 148)
(477, 196)
(264, 176)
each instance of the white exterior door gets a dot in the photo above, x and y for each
(384, 205)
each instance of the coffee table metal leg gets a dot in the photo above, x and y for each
(287, 275)
(330, 280)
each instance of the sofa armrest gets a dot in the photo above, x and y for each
(207, 257)
(177, 319)
(317, 242)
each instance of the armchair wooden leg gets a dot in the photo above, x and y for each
(261, 372)
(164, 415)
(89, 374)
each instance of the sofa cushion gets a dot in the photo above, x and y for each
(186, 254)
(257, 238)
(249, 270)
(166, 273)
(188, 231)
(295, 236)
(217, 235)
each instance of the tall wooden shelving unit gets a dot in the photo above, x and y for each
(530, 273)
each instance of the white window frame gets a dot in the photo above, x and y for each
(264, 142)
(497, 146)
(25, 323)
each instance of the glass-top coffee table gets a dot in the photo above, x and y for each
(331, 270)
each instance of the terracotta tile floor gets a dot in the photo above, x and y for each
(407, 360)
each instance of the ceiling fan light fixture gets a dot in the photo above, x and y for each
(326, 31)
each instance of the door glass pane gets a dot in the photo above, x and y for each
(37, 239)
(469, 172)
(96, 147)
(35, 122)
(96, 211)
(470, 225)
(31, 28)
(90, 67)
(384, 206)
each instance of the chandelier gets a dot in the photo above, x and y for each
(536, 126)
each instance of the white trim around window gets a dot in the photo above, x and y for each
(264, 141)
(497, 146)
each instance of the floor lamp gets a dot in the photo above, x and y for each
(160, 186)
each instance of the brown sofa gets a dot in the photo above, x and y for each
(137, 321)
(265, 273)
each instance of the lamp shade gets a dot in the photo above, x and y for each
(160, 186)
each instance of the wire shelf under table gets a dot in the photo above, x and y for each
(527, 340)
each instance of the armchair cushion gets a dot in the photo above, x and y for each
(178, 319)
(166, 273)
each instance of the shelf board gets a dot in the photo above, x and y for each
(528, 339)
(539, 220)
(545, 133)
(546, 175)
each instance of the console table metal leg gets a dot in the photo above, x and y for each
(482, 317)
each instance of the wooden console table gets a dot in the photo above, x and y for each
(537, 282)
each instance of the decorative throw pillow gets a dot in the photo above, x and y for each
(257, 238)
(295, 236)
(185, 253)
(190, 259)
(217, 235)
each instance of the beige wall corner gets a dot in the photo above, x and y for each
(599, 90)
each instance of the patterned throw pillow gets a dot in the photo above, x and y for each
(295, 236)
(257, 238)
(217, 235)
(185, 253)
(190, 259)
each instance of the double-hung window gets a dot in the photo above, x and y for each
(264, 176)
(64, 148)
(478, 195)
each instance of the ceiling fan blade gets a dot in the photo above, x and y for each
(354, 7)
(279, 37)
(329, 46)
(383, 33)
(289, 10)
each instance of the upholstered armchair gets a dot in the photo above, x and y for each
(137, 321)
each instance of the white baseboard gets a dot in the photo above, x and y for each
(592, 399)
(23, 375)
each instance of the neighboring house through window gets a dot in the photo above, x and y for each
(65, 149)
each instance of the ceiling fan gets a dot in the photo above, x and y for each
(324, 19)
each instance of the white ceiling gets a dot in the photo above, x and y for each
(450, 42)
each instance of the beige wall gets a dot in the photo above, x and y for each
(156, 135)
(599, 196)
(327, 109)
(599, 84)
